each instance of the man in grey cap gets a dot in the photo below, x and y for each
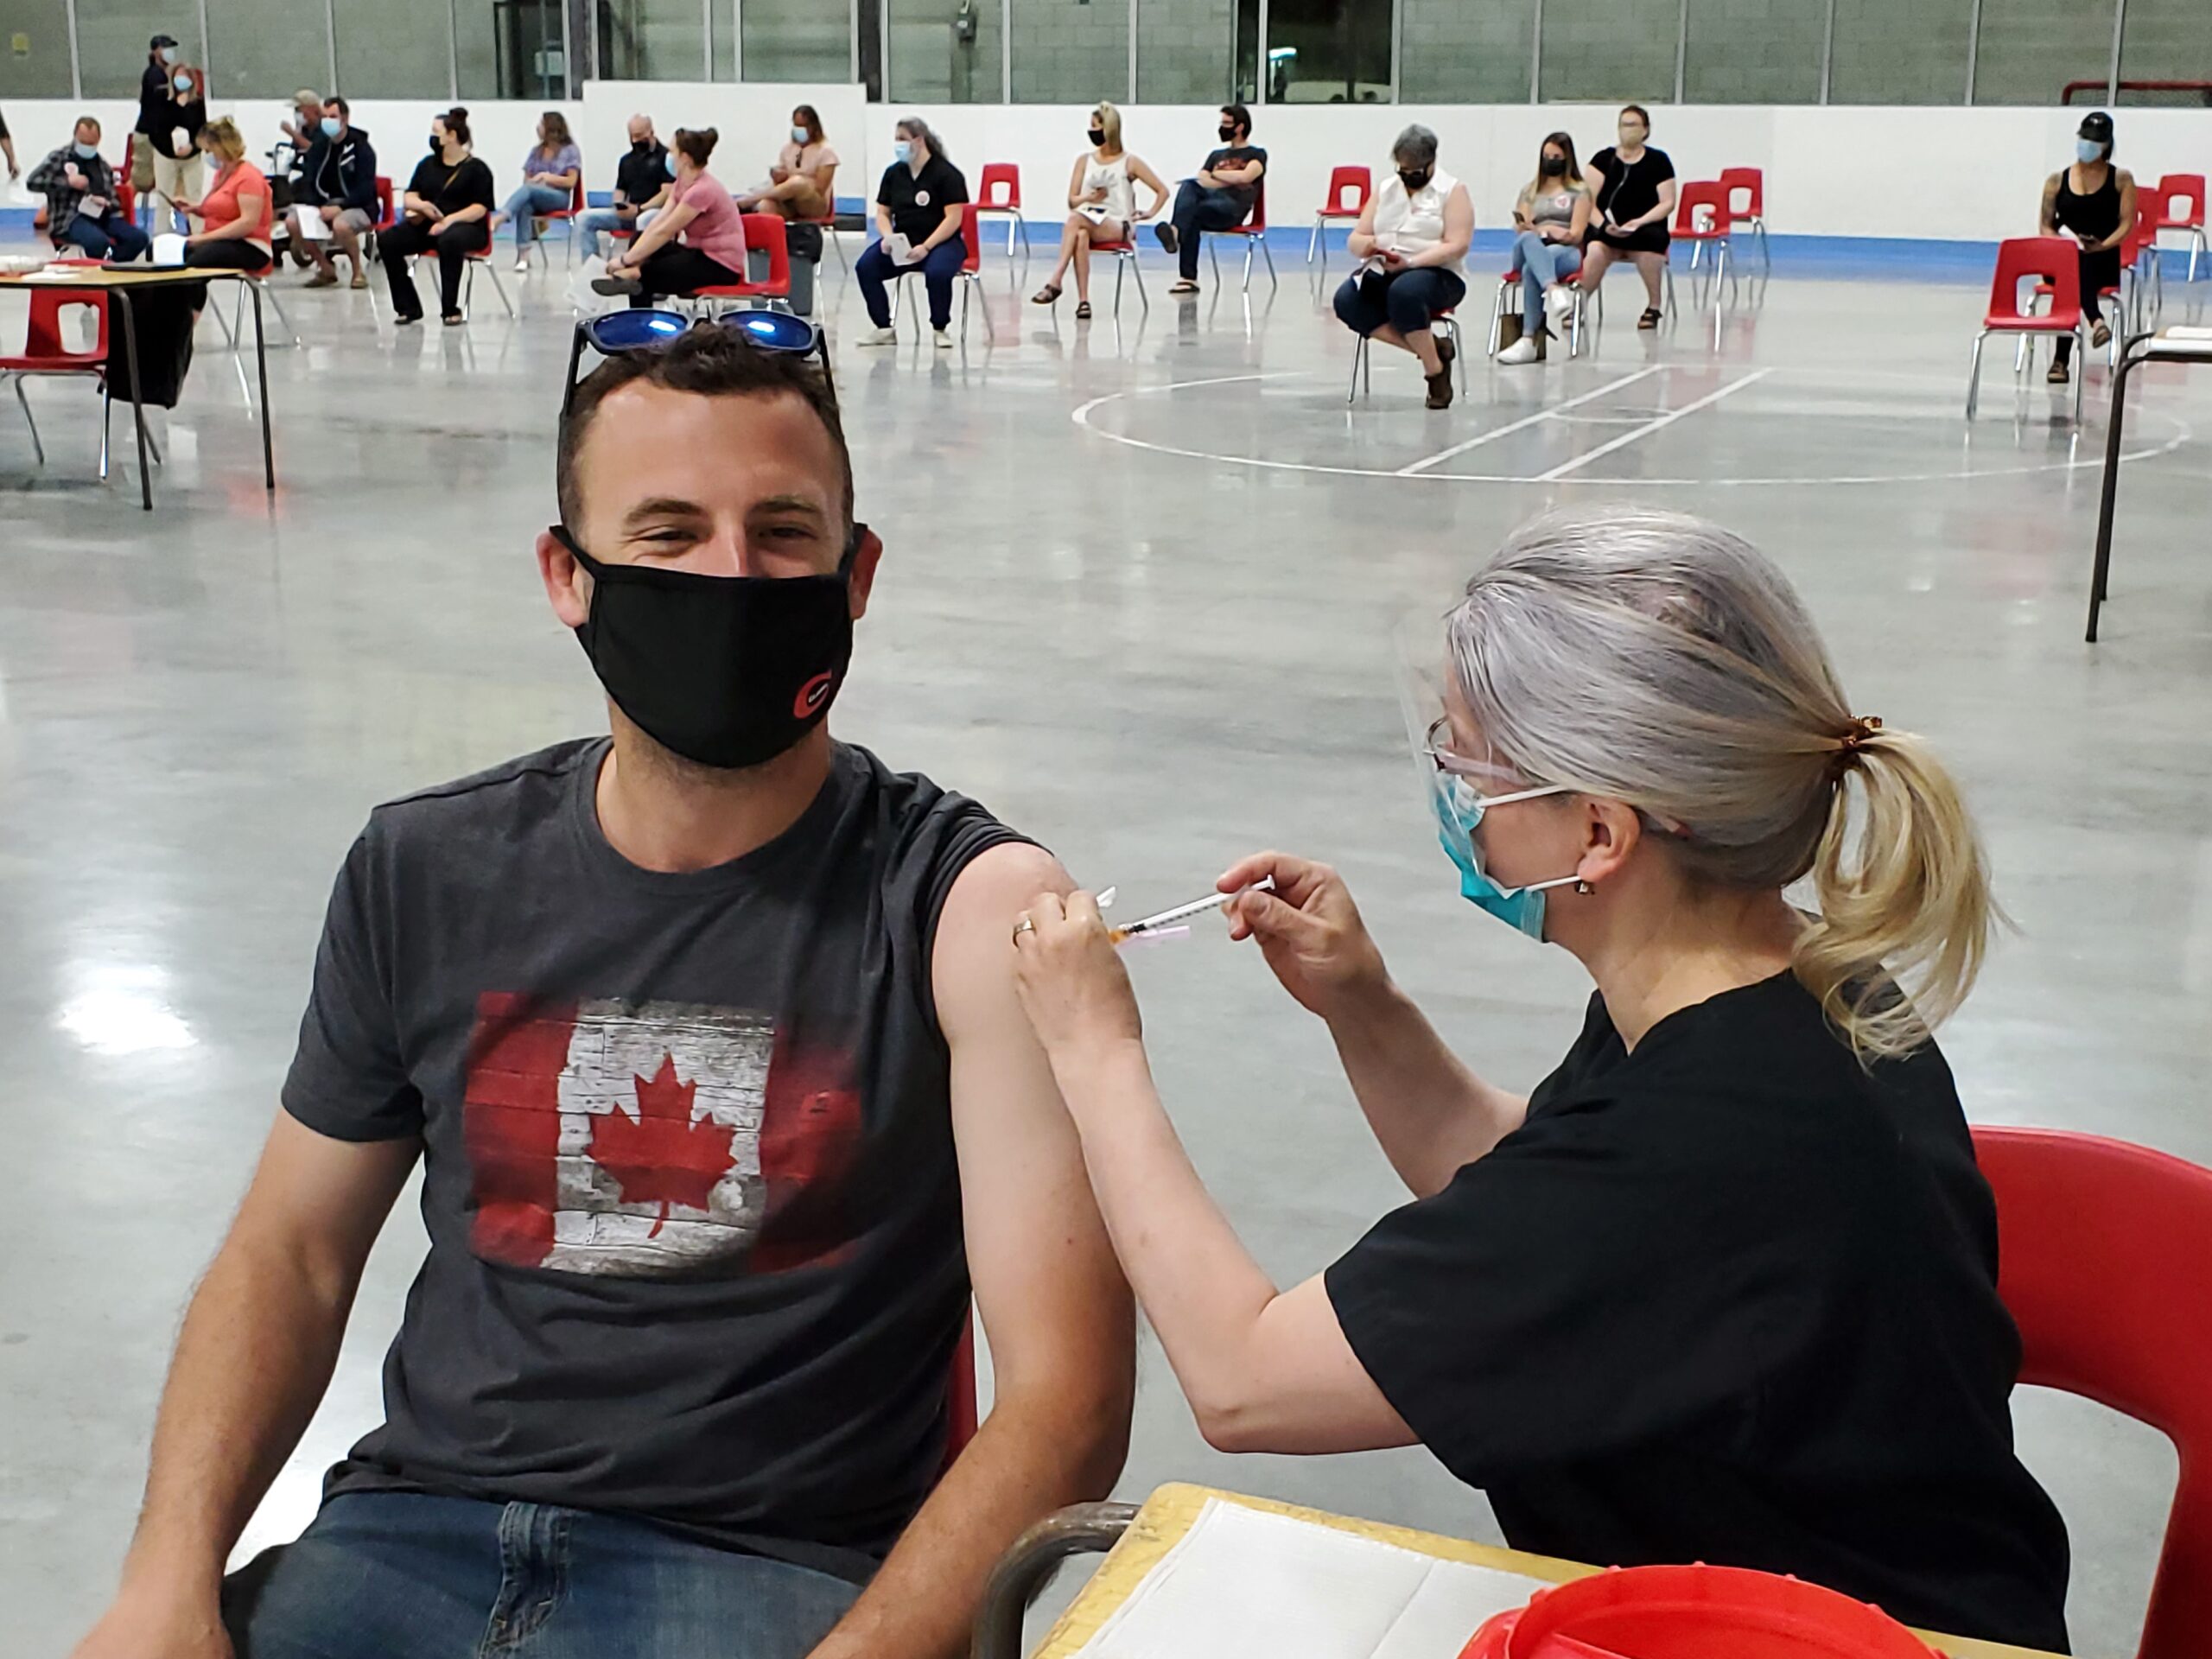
(2094, 202)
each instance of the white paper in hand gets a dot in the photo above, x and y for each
(309, 223)
(901, 250)
(168, 248)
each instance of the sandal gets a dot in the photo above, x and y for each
(454, 319)
(1082, 311)
(1183, 287)
(1048, 294)
(1650, 319)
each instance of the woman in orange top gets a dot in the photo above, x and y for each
(235, 216)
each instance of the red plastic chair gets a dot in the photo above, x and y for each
(1750, 183)
(1000, 192)
(1254, 231)
(961, 1416)
(1509, 284)
(2105, 1261)
(1354, 182)
(477, 260)
(2188, 188)
(45, 353)
(2053, 264)
(1702, 218)
(970, 273)
(1124, 256)
(765, 233)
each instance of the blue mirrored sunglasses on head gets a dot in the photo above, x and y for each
(619, 333)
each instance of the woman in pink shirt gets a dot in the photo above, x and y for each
(711, 252)
(234, 218)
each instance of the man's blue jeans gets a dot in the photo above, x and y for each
(404, 1575)
(113, 236)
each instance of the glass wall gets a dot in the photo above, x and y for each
(2029, 49)
(796, 40)
(2167, 39)
(1070, 51)
(511, 48)
(1329, 52)
(403, 49)
(35, 52)
(111, 36)
(1754, 51)
(1459, 53)
(651, 40)
(944, 52)
(1900, 51)
(1609, 51)
(1184, 50)
(258, 48)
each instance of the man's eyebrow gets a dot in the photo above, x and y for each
(662, 506)
(791, 503)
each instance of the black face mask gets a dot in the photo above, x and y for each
(1097, 136)
(1227, 134)
(1552, 167)
(437, 145)
(642, 146)
(728, 671)
(1413, 179)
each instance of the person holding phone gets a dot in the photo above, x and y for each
(1551, 216)
(695, 241)
(235, 218)
(2094, 202)
(1411, 242)
(1634, 197)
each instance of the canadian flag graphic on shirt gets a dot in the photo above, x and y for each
(651, 1139)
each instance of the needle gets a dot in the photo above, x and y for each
(1196, 907)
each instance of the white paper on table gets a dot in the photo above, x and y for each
(310, 225)
(1249, 1581)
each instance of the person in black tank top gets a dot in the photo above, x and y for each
(2094, 202)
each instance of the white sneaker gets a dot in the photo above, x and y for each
(944, 339)
(1559, 307)
(1523, 350)
(878, 337)
(522, 266)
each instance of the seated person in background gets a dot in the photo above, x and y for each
(697, 241)
(304, 125)
(1724, 1288)
(81, 210)
(1102, 195)
(918, 210)
(801, 185)
(1551, 215)
(447, 209)
(706, 1038)
(236, 215)
(2094, 202)
(1634, 204)
(1412, 243)
(640, 181)
(337, 184)
(550, 171)
(1220, 199)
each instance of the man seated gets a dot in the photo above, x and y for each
(640, 183)
(82, 211)
(706, 1034)
(337, 184)
(1220, 199)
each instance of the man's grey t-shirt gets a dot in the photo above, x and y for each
(690, 1180)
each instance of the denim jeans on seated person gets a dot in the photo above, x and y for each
(1540, 264)
(406, 1575)
(595, 224)
(528, 200)
(938, 267)
(111, 238)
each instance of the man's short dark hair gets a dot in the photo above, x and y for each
(709, 361)
(92, 121)
(1639, 113)
(1239, 116)
(344, 108)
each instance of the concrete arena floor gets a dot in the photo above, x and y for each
(1139, 596)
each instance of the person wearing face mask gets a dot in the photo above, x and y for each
(802, 184)
(232, 226)
(1723, 1287)
(697, 240)
(170, 117)
(1411, 242)
(2094, 202)
(1633, 199)
(156, 110)
(81, 209)
(1550, 218)
(1220, 197)
(704, 1034)
(550, 168)
(1102, 203)
(641, 180)
(337, 186)
(918, 221)
(444, 211)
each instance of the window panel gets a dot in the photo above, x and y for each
(1184, 50)
(512, 48)
(1070, 51)
(403, 49)
(2167, 39)
(1754, 51)
(1329, 52)
(797, 39)
(652, 40)
(266, 48)
(1459, 53)
(2029, 49)
(1610, 51)
(944, 50)
(42, 70)
(1900, 51)
(111, 36)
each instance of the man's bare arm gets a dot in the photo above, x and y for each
(258, 1344)
(1052, 1300)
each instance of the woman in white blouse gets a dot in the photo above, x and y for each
(1411, 243)
(1102, 203)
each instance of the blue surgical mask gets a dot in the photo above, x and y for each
(332, 126)
(85, 152)
(182, 82)
(798, 135)
(2087, 151)
(169, 54)
(1458, 811)
(903, 153)
(670, 160)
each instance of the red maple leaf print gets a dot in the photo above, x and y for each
(661, 1156)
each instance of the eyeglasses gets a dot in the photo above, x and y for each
(627, 333)
(1436, 745)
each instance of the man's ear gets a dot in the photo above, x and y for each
(861, 582)
(568, 586)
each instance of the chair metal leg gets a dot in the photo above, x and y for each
(2081, 352)
(1136, 275)
(1358, 354)
(38, 444)
(277, 305)
(1313, 241)
(107, 410)
(1574, 325)
(1974, 373)
(492, 267)
(1497, 319)
(1213, 246)
(1266, 254)
(1024, 1570)
(1766, 257)
(2195, 247)
(1024, 224)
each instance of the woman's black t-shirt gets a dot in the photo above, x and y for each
(917, 200)
(1631, 190)
(465, 183)
(1730, 1298)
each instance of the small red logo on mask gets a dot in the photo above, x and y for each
(812, 695)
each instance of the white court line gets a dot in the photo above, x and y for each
(1081, 414)
(1646, 430)
(1476, 442)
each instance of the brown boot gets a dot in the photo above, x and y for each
(1439, 388)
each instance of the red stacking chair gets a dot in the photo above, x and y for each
(1750, 183)
(1254, 231)
(2053, 261)
(1440, 322)
(971, 271)
(561, 216)
(480, 260)
(1354, 182)
(1508, 284)
(2189, 189)
(2126, 296)
(1124, 256)
(1701, 217)
(1000, 192)
(2105, 1262)
(46, 352)
(766, 234)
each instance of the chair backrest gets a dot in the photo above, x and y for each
(126, 198)
(971, 237)
(1707, 197)
(767, 232)
(2190, 186)
(385, 212)
(1001, 186)
(2052, 260)
(1256, 220)
(961, 1417)
(1749, 182)
(2105, 1262)
(576, 193)
(2144, 232)
(1356, 181)
(43, 339)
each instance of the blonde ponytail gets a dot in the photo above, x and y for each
(1905, 911)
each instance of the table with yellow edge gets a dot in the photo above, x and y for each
(1170, 1511)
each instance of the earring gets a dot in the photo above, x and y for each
(1584, 888)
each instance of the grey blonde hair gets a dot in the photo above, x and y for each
(1656, 659)
(1110, 123)
(1416, 144)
